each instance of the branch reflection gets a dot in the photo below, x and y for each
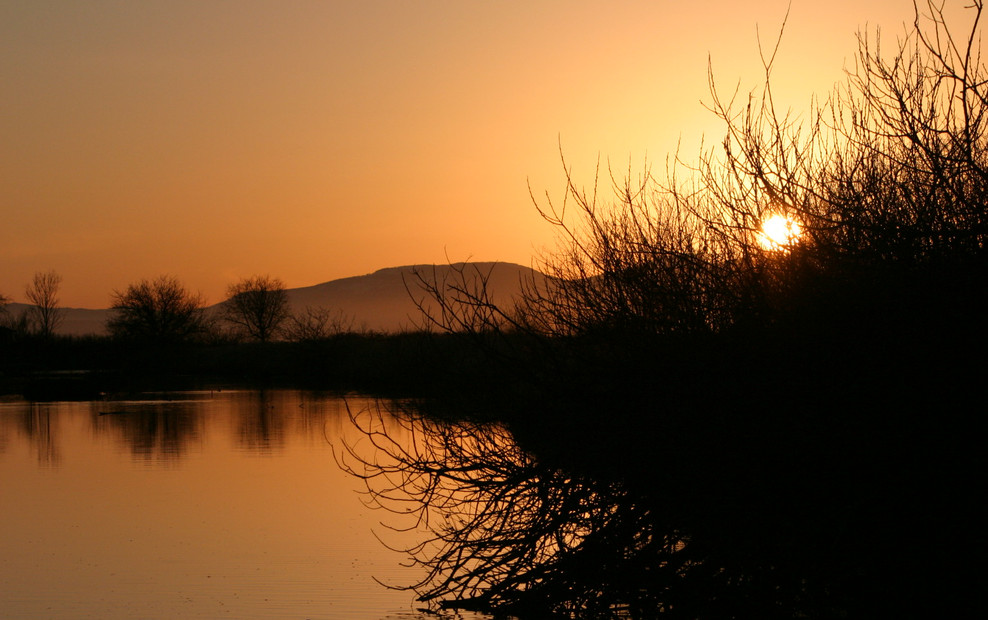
(507, 531)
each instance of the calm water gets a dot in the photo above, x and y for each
(194, 504)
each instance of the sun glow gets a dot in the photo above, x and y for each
(779, 232)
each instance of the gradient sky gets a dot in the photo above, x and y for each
(317, 140)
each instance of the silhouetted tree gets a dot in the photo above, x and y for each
(158, 311)
(258, 306)
(15, 324)
(890, 172)
(43, 293)
(781, 395)
(6, 329)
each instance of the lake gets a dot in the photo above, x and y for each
(191, 504)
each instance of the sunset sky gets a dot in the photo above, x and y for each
(316, 140)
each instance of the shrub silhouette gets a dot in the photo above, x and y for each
(797, 414)
(159, 311)
(258, 306)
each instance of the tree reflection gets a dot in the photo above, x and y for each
(38, 424)
(637, 520)
(259, 422)
(509, 532)
(260, 418)
(153, 430)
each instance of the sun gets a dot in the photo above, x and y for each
(779, 232)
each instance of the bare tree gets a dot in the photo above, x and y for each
(257, 305)
(668, 313)
(43, 293)
(158, 311)
(890, 172)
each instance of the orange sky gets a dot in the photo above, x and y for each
(315, 140)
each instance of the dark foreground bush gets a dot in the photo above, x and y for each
(718, 425)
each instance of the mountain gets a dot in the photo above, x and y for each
(383, 301)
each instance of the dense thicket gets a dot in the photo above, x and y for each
(801, 422)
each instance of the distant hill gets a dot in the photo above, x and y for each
(386, 300)
(75, 321)
(382, 301)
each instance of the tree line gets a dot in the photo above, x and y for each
(163, 311)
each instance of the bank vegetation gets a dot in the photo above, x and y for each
(718, 420)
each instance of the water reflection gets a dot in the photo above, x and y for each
(165, 427)
(613, 526)
(38, 424)
(158, 507)
(508, 531)
(152, 430)
(260, 427)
